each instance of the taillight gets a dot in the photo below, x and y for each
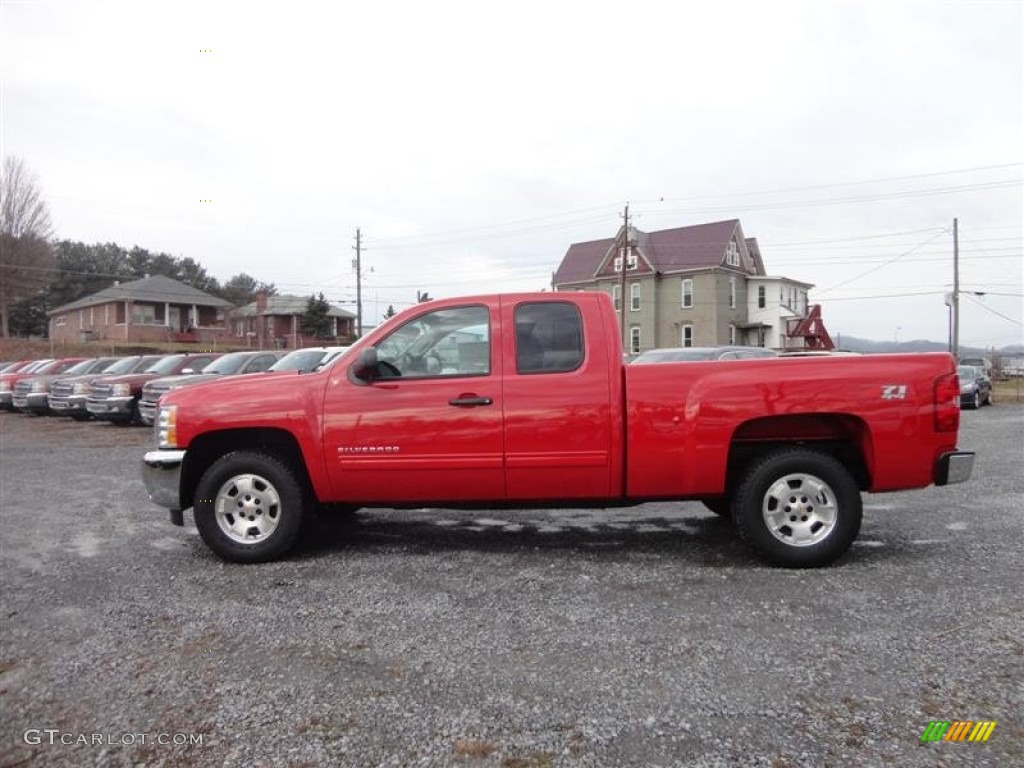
(947, 403)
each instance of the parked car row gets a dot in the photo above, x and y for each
(127, 389)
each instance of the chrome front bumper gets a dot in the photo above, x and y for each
(147, 411)
(955, 467)
(110, 406)
(32, 401)
(70, 404)
(161, 473)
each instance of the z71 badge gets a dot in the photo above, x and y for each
(894, 391)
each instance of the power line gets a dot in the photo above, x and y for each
(884, 264)
(847, 183)
(840, 200)
(989, 309)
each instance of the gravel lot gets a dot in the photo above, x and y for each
(576, 638)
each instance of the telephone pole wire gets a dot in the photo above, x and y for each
(623, 258)
(956, 291)
(358, 267)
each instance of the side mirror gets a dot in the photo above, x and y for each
(365, 368)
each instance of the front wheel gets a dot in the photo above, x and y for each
(249, 507)
(798, 508)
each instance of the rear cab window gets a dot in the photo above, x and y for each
(549, 337)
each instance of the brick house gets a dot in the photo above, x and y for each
(275, 321)
(153, 309)
(696, 286)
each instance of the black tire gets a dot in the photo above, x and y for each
(720, 505)
(976, 402)
(136, 417)
(823, 520)
(81, 416)
(249, 507)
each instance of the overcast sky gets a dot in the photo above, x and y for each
(473, 142)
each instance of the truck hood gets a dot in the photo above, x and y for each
(133, 379)
(172, 382)
(276, 400)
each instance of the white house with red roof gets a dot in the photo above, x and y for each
(697, 286)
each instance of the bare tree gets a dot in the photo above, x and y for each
(27, 258)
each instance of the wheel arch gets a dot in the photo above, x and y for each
(845, 437)
(205, 449)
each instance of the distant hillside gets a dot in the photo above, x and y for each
(854, 344)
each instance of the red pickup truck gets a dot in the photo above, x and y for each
(523, 400)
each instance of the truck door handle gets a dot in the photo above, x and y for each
(470, 400)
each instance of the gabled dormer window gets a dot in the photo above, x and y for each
(630, 261)
(732, 254)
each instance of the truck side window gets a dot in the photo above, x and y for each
(448, 342)
(549, 337)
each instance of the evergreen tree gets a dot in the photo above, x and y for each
(315, 320)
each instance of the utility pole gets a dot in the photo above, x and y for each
(956, 291)
(357, 265)
(623, 255)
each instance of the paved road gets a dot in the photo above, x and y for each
(579, 638)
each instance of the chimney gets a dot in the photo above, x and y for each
(261, 302)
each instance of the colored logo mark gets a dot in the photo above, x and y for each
(958, 730)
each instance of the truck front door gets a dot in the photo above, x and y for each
(429, 427)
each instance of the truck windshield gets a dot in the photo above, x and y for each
(227, 364)
(166, 365)
(300, 360)
(83, 367)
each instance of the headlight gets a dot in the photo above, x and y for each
(121, 390)
(167, 426)
(80, 388)
(38, 386)
(5, 386)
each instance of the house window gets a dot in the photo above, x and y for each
(634, 339)
(732, 254)
(687, 293)
(732, 293)
(630, 261)
(686, 337)
(634, 297)
(732, 335)
(617, 297)
(62, 321)
(143, 314)
(761, 298)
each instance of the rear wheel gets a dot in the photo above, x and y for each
(798, 507)
(249, 507)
